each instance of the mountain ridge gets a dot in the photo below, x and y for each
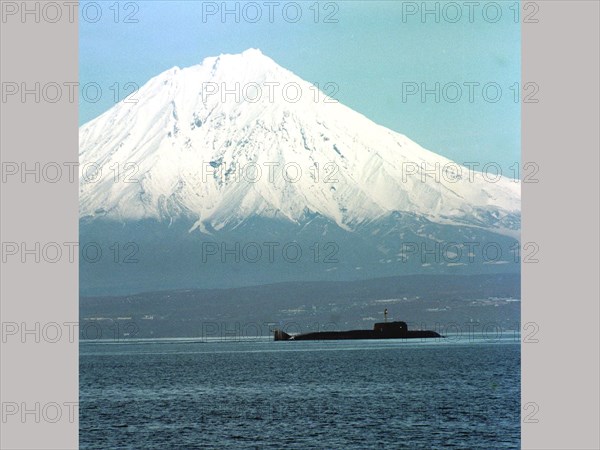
(467, 303)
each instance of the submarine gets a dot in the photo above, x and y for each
(381, 330)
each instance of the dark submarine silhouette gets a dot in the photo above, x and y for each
(381, 330)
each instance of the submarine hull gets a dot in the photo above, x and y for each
(357, 334)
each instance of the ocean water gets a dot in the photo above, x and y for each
(259, 394)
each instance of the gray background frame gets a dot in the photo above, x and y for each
(560, 363)
(37, 295)
(560, 296)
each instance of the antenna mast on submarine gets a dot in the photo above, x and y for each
(385, 315)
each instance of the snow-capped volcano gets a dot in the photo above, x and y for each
(206, 175)
(238, 136)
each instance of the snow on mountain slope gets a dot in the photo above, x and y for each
(190, 152)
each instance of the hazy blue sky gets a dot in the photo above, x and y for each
(369, 53)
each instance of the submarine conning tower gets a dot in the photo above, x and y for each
(390, 326)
